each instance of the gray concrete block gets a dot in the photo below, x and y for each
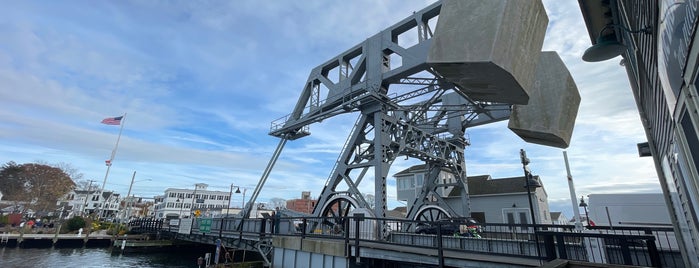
(489, 48)
(549, 117)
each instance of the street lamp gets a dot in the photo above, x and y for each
(584, 205)
(530, 182)
(228, 208)
(178, 201)
(127, 203)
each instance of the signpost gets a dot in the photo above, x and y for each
(205, 225)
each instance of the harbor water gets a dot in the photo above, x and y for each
(93, 257)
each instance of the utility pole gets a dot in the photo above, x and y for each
(571, 188)
(126, 204)
(87, 194)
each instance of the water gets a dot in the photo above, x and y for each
(92, 257)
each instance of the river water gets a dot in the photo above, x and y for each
(92, 257)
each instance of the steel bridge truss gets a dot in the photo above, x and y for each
(406, 109)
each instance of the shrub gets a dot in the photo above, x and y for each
(75, 223)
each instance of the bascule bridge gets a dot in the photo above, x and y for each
(415, 87)
(473, 63)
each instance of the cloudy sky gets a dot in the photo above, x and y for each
(200, 82)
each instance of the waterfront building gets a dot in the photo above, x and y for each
(304, 205)
(501, 200)
(86, 202)
(656, 42)
(182, 203)
(629, 210)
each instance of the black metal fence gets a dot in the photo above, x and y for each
(145, 225)
(647, 246)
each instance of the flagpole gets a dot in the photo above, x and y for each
(104, 182)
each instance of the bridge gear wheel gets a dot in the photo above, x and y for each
(337, 209)
(431, 213)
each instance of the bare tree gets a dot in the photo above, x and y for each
(278, 202)
(371, 199)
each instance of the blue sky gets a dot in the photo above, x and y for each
(201, 81)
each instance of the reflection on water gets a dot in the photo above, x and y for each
(92, 257)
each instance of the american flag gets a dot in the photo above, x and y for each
(112, 120)
(108, 162)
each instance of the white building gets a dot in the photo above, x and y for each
(633, 210)
(491, 200)
(84, 202)
(134, 207)
(181, 203)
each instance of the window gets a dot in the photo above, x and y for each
(197, 196)
(169, 204)
(478, 216)
(510, 218)
(523, 218)
(205, 196)
(220, 197)
(180, 195)
(95, 198)
(212, 197)
(172, 195)
(225, 197)
(405, 183)
(419, 179)
(188, 205)
(178, 205)
(189, 196)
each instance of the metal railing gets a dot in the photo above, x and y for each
(646, 246)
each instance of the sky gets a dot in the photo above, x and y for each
(201, 81)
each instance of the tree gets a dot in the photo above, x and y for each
(35, 186)
(71, 171)
(371, 199)
(278, 202)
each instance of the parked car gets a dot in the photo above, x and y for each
(458, 227)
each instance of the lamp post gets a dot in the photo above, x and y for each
(126, 214)
(178, 201)
(228, 209)
(530, 183)
(194, 197)
(237, 191)
(584, 205)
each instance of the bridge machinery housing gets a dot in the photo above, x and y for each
(417, 86)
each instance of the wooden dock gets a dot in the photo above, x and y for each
(54, 240)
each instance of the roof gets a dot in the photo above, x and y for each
(555, 215)
(398, 212)
(481, 184)
(415, 169)
(484, 185)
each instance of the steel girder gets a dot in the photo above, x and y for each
(406, 110)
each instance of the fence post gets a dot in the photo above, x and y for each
(561, 247)
(346, 228)
(653, 253)
(263, 227)
(440, 250)
(304, 225)
(625, 252)
(358, 218)
(549, 246)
